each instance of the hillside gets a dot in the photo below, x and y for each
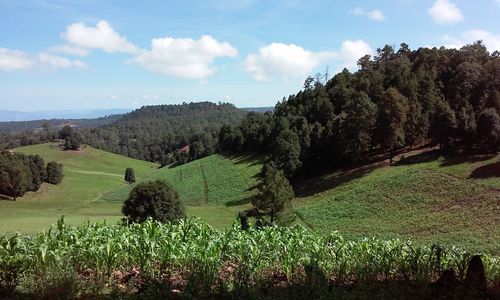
(155, 133)
(214, 188)
(87, 174)
(426, 197)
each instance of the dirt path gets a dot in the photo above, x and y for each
(94, 173)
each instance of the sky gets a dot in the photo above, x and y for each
(93, 54)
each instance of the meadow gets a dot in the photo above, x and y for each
(427, 197)
(87, 174)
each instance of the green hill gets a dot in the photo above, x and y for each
(87, 174)
(215, 188)
(428, 198)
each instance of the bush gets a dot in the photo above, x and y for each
(54, 172)
(155, 199)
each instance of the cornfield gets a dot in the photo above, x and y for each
(192, 256)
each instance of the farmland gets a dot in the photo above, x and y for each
(191, 259)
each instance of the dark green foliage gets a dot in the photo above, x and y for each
(488, 130)
(54, 172)
(286, 152)
(275, 193)
(72, 139)
(155, 199)
(156, 133)
(20, 173)
(130, 175)
(396, 99)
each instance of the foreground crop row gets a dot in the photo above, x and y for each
(191, 256)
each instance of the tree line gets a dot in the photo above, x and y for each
(156, 133)
(398, 98)
(20, 173)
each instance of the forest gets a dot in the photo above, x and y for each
(155, 133)
(397, 99)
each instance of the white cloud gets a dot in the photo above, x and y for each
(58, 62)
(352, 51)
(445, 12)
(283, 60)
(185, 58)
(490, 40)
(375, 15)
(70, 50)
(102, 36)
(291, 60)
(13, 60)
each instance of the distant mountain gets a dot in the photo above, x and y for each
(10, 115)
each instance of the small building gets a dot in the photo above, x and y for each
(184, 149)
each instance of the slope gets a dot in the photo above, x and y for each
(87, 174)
(428, 198)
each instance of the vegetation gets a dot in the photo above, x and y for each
(397, 99)
(130, 175)
(21, 173)
(191, 259)
(156, 133)
(54, 172)
(155, 199)
(88, 174)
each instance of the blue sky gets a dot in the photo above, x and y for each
(57, 54)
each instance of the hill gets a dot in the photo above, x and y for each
(87, 174)
(214, 188)
(155, 133)
(426, 197)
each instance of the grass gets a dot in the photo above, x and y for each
(214, 188)
(428, 198)
(87, 174)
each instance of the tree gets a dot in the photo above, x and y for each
(54, 172)
(275, 193)
(356, 124)
(129, 175)
(488, 131)
(15, 181)
(155, 199)
(391, 119)
(443, 125)
(38, 171)
(286, 152)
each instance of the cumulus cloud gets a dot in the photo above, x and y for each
(375, 15)
(102, 36)
(286, 61)
(13, 60)
(58, 62)
(283, 60)
(445, 12)
(70, 50)
(490, 40)
(185, 58)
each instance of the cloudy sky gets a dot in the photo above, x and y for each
(68, 54)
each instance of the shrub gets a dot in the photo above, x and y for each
(54, 172)
(155, 199)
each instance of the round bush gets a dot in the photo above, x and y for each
(155, 199)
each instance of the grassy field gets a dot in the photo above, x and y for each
(87, 174)
(215, 188)
(425, 197)
(428, 198)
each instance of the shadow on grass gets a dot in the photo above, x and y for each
(320, 184)
(487, 171)
(5, 198)
(245, 158)
(419, 158)
(460, 159)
